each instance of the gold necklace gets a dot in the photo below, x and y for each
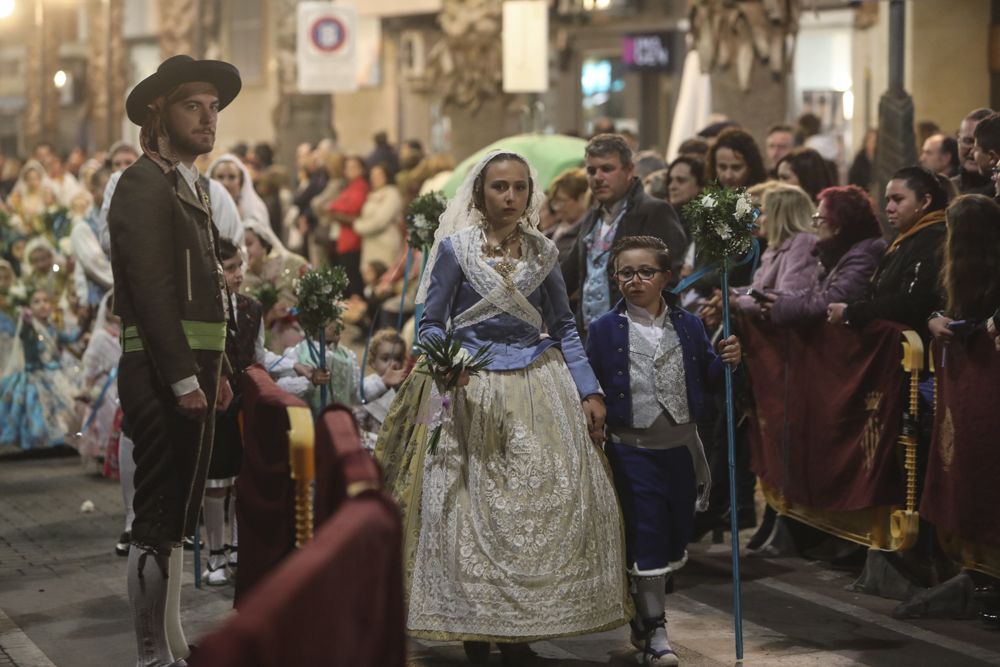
(506, 266)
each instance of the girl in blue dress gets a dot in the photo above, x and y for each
(36, 398)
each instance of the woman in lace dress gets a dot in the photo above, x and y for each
(512, 526)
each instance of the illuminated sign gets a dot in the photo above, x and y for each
(649, 51)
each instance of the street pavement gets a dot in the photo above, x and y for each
(63, 600)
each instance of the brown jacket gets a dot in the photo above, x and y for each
(169, 284)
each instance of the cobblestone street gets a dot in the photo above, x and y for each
(63, 599)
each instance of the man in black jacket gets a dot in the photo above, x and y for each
(623, 209)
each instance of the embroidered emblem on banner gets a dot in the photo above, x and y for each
(946, 441)
(873, 428)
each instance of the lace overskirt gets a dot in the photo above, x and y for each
(513, 530)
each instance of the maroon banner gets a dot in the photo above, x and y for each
(829, 408)
(962, 489)
(337, 602)
(265, 510)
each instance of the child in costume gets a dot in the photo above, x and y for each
(656, 366)
(100, 388)
(387, 357)
(36, 398)
(10, 293)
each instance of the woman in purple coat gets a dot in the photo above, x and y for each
(849, 248)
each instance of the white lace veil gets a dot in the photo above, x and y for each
(461, 213)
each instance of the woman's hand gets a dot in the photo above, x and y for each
(938, 327)
(835, 313)
(730, 350)
(711, 310)
(595, 412)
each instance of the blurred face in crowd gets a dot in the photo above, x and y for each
(786, 174)
(902, 207)
(377, 178)
(353, 169)
(505, 192)
(609, 180)
(123, 159)
(6, 279)
(644, 292)
(41, 261)
(932, 157)
(33, 180)
(54, 166)
(233, 270)
(192, 119)
(332, 332)
(681, 185)
(40, 306)
(388, 355)
(567, 209)
(778, 145)
(98, 183)
(230, 176)
(730, 168)
(256, 252)
(966, 144)
(824, 230)
(985, 160)
(290, 336)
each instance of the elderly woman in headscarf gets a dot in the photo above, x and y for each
(31, 197)
(270, 264)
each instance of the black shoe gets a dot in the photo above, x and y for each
(518, 653)
(124, 542)
(478, 653)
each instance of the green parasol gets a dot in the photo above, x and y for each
(549, 154)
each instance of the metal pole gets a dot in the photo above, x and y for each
(108, 69)
(897, 44)
(731, 451)
(42, 92)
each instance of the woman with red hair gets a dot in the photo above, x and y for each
(849, 249)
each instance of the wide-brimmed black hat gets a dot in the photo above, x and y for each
(178, 70)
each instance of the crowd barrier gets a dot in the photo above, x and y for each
(961, 494)
(265, 509)
(833, 435)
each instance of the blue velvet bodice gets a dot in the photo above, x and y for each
(516, 343)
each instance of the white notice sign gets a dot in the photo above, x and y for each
(327, 48)
(525, 46)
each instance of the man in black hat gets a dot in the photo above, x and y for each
(170, 295)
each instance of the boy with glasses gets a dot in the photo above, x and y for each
(656, 366)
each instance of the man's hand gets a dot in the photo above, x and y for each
(192, 404)
(595, 412)
(938, 326)
(835, 313)
(225, 396)
(711, 310)
(730, 350)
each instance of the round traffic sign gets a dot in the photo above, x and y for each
(328, 34)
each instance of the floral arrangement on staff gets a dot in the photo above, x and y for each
(422, 218)
(722, 222)
(450, 366)
(319, 293)
(267, 294)
(55, 223)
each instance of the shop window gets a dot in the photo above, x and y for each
(602, 84)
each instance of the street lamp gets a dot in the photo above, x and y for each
(6, 8)
(59, 79)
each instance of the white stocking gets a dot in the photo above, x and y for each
(172, 618)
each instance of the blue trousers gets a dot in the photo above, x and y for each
(657, 491)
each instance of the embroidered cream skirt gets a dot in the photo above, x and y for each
(512, 526)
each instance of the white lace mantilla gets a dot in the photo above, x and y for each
(538, 258)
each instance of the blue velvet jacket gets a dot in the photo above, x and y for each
(516, 344)
(608, 350)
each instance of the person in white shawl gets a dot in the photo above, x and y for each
(228, 170)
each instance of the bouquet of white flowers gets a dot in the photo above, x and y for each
(722, 222)
(422, 218)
